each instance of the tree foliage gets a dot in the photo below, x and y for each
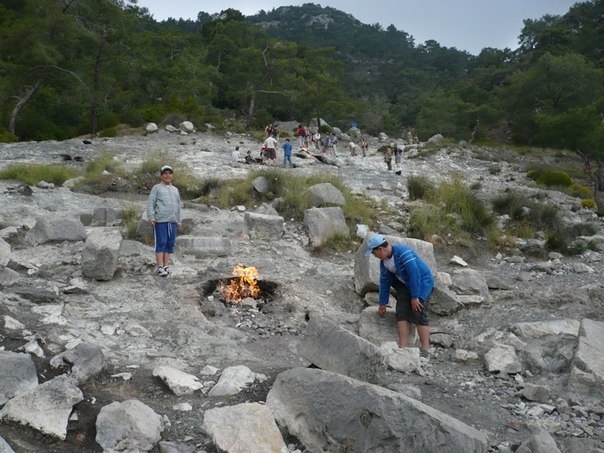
(81, 66)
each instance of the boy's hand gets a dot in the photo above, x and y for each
(416, 305)
(382, 310)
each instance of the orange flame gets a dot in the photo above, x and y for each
(243, 285)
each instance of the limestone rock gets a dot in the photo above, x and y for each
(363, 417)
(47, 407)
(130, 425)
(17, 375)
(246, 427)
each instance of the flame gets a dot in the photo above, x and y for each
(243, 285)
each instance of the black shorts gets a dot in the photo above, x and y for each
(404, 312)
(272, 154)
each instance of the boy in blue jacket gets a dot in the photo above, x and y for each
(403, 269)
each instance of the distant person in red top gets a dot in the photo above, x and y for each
(301, 134)
(269, 130)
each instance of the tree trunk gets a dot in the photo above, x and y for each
(598, 180)
(252, 109)
(14, 114)
(94, 113)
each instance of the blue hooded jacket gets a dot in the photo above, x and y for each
(411, 270)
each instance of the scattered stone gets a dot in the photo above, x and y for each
(179, 382)
(238, 428)
(17, 375)
(46, 407)
(128, 426)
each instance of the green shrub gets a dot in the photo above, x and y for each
(563, 243)
(105, 162)
(582, 229)
(153, 163)
(132, 118)
(459, 201)
(340, 243)
(423, 222)
(7, 137)
(210, 187)
(565, 239)
(153, 113)
(521, 230)
(33, 173)
(130, 217)
(556, 242)
(529, 215)
(174, 119)
(109, 132)
(288, 190)
(419, 187)
(588, 203)
(549, 177)
(451, 209)
(259, 135)
(494, 169)
(579, 190)
(555, 178)
(522, 209)
(190, 186)
(233, 126)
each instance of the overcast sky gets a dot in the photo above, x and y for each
(464, 24)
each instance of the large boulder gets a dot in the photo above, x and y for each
(331, 412)
(5, 253)
(336, 349)
(100, 253)
(323, 224)
(54, 230)
(263, 226)
(325, 194)
(587, 374)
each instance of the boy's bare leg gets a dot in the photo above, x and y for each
(424, 336)
(403, 334)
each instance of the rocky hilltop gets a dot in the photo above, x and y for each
(99, 354)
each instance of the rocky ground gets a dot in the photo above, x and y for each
(177, 321)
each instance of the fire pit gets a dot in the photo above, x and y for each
(242, 285)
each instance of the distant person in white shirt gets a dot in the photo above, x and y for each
(270, 144)
(236, 154)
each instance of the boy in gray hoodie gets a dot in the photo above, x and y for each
(163, 213)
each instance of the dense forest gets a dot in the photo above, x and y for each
(75, 67)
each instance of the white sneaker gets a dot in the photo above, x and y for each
(168, 270)
(424, 355)
(161, 272)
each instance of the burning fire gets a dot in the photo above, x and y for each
(243, 285)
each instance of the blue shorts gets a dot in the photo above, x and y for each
(165, 237)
